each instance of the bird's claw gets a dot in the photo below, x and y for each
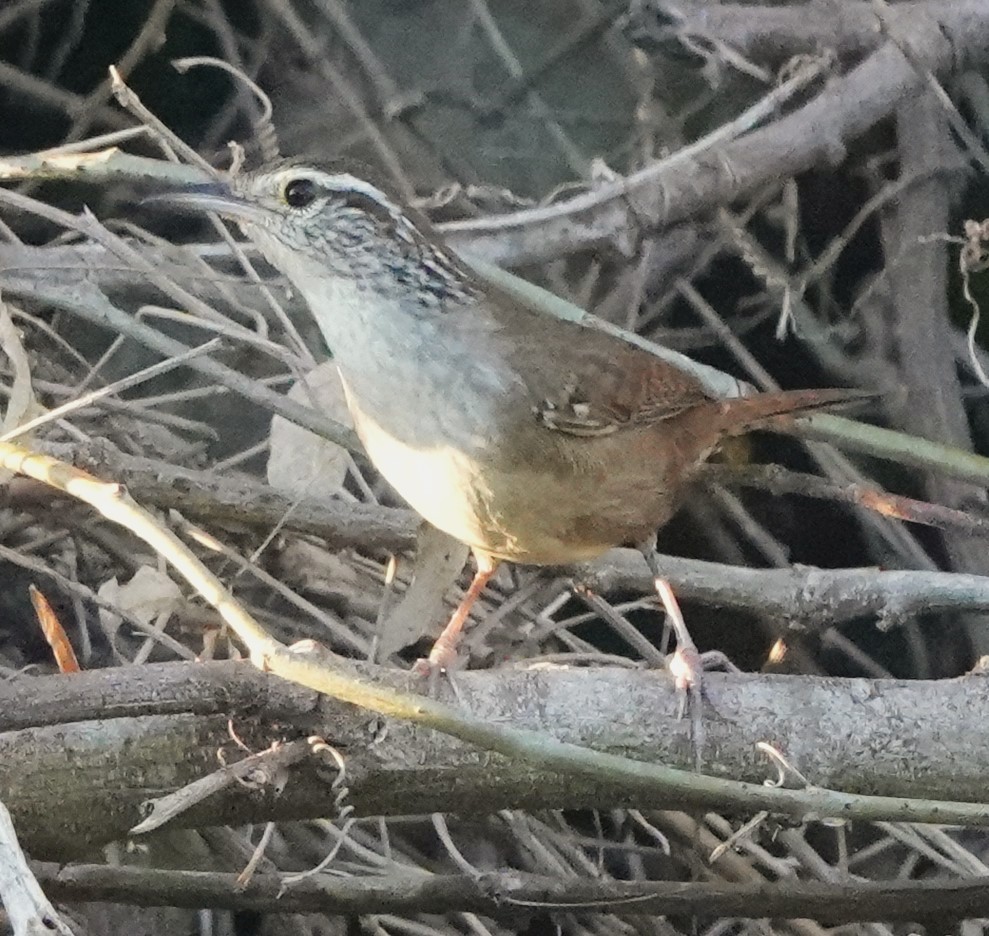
(440, 661)
(687, 667)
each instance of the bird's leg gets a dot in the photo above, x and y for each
(687, 664)
(444, 652)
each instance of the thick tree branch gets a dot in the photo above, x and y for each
(803, 596)
(773, 34)
(945, 37)
(156, 728)
(514, 895)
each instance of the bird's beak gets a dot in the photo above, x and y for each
(210, 196)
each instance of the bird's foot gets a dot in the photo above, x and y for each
(441, 657)
(688, 666)
(441, 661)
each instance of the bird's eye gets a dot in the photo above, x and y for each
(298, 193)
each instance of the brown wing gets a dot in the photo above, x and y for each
(585, 382)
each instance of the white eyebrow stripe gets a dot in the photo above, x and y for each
(339, 182)
(346, 181)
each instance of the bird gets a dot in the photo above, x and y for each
(529, 438)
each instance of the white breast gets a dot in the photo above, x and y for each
(439, 481)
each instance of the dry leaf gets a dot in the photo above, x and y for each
(54, 633)
(302, 463)
(147, 595)
(439, 560)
